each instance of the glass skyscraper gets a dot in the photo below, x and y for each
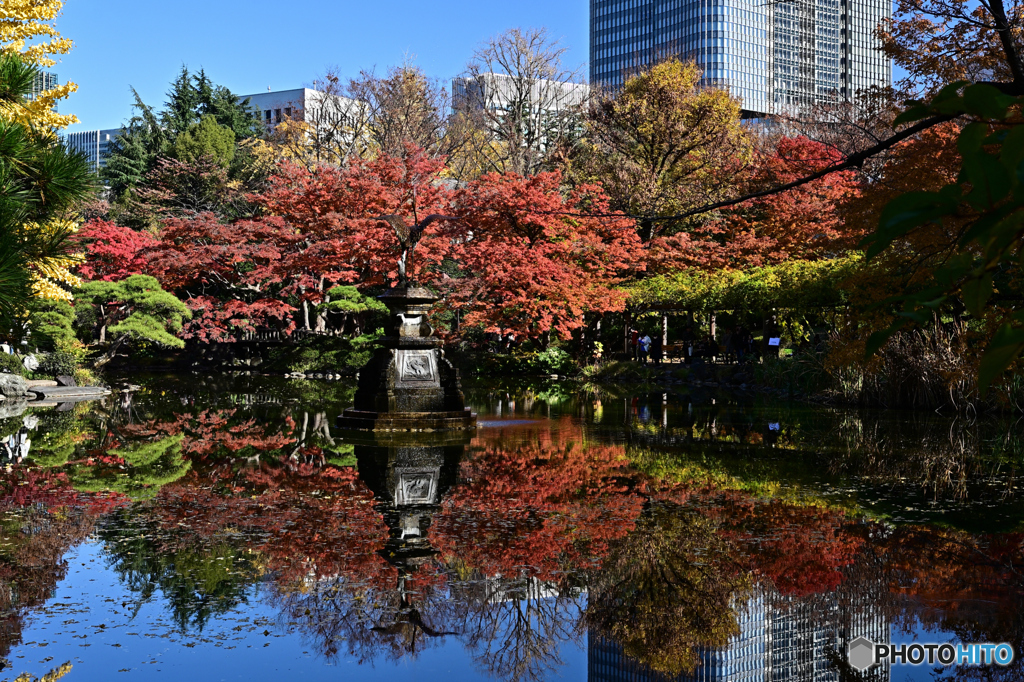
(776, 57)
(780, 639)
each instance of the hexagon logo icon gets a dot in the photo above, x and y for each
(861, 653)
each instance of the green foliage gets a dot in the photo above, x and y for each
(194, 96)
(206, 139)
(523, 361)
(11, 425)
(552, 360)
(342, 456)
(58, 363)
(349, 300)
(11, 364)
(134, 152)
(17, 78)
(149, 314)
(199, 578)
(333, 355)
(616, 372)
(150, 466)
(40, 181)
(57, 436)
(793, 284)
(52, 324)
(708, 468)
(989, 190)
(149, 134)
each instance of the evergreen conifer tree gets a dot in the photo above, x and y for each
(41, 181)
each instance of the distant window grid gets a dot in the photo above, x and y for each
(779, 639)
(43, 81)
(772, 56)
(95, 145)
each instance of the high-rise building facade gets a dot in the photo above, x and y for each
(779, 639)
(43, 81)
(94, 144)
(775, 57)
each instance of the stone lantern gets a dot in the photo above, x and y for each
(408, 385)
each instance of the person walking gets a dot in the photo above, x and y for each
(634, 343)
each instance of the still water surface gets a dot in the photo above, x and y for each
(218, 528)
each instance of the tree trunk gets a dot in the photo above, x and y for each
(321, 316)
(646, 230)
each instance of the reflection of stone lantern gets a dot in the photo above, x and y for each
(409, 475)
(408, 385)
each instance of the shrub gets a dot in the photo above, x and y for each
(11, 364)
(333, 355)
(58, 363)
(552, 360)
(52, 324)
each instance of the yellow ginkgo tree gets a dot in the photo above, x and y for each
(29, 41)
(27, 29)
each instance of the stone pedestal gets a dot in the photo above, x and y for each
(408, 385)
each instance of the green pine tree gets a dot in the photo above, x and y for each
(40, 181)
(135, 312)
(134, 152)
(181, 111)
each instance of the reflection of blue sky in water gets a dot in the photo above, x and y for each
(746, 439)
(230, 647)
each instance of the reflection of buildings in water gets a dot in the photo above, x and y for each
(15, 447)
(481, 590)
(780, 639)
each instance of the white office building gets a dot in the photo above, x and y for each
(498, 92)
(300, 104)
(94, 144)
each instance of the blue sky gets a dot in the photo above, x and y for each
(249, 46)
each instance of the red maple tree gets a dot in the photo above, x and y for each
(229, 274)
(806, 223)
(112, 252)
(335, 210)
(534, 261)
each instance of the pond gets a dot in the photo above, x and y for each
(218, 528)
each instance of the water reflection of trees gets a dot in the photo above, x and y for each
(896, 461)
(550, 531)
(516, 627)
(43, 517)
(204, 540)
(670, 587)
